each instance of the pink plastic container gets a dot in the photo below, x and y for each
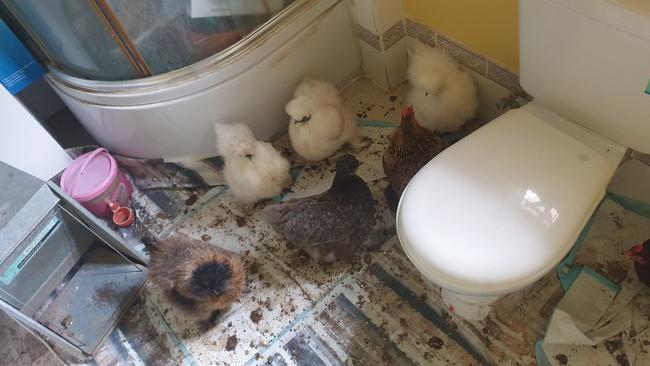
(93, 179)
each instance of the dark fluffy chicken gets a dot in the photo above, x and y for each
(411, 147)
(198, 277)
(330, 225)
(640, 254)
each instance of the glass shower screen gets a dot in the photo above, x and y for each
(126, 39)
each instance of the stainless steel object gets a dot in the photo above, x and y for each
(58, 275)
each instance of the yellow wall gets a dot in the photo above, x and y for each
(488, 27)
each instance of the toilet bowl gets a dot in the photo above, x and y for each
(497, 210)
(500, 209)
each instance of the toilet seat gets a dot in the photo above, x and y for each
(499, 209)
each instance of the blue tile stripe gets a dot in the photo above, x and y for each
(374, 123)
(566, 271)
(389, 346)
(542, 360)
(305, 313)
(425, 310)
(638, 207)
(211, 195)
(188, 359)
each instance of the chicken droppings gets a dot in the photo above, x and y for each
(256, 316)
(231, 344)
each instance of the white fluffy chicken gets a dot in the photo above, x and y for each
(320, 123)
(442, 94)
(253, 170)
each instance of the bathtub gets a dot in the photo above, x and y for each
(171, 115)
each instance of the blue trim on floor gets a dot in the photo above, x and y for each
(374, 123)
(566, 271)
(638, 207)
(425, 310)
(297, 320)
(295, 174)
(212, 194)
(188, 359)
(542, 360)
(374, 332)
(601, 279)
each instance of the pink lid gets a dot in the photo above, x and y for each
(89, 175)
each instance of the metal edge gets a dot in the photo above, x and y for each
(208, 65)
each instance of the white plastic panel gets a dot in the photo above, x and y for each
(26, 144)
(499, 209)
(589, 61)
(176, 122)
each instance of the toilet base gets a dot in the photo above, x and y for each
(470, 307)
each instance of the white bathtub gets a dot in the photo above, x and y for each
(171, 115)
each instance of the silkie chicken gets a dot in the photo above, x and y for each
(320, 123)
(328, 226)
(442, 93)
(411, 147)
(254, 170)
(198, 277)
(640, 254)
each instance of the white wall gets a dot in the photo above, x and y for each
(25, 144)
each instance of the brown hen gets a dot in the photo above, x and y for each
(199, 278)
(411, 147)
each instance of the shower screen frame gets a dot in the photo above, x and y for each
(122, 38)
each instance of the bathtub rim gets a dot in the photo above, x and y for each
(209, 72)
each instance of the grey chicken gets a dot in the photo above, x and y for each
(328, 226)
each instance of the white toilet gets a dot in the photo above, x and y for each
(501, 208)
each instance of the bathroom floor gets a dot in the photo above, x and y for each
(373, 309)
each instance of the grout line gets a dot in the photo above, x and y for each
(317, 305)
(425, 310)
(202, 202)
(638, 207)
(131, 353)
(305, 313)
(188, 358)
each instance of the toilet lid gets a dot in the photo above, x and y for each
(499, 209)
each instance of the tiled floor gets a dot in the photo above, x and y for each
(371, 310)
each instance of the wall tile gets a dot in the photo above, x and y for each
(504, 77)
(464, 56)
(368, 37)
(374, 65)
(411, 43)
(477, 63)
(396, 63)
(420, 32)
(393, 35)
(365, 14)
(387, 13)
(631, 180)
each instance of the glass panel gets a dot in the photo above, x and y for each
(170, 34)
(75, 36)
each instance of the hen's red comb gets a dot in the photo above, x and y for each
(636, 249)
(634, 253)
(408, 111)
